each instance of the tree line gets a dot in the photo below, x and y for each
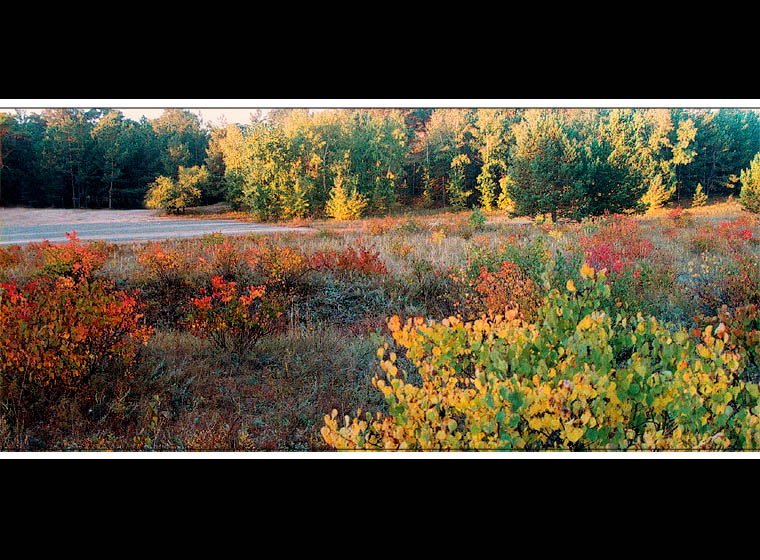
(344, 162)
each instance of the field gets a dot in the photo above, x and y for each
(250, 342)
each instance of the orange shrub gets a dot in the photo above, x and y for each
(55, 334)
(162, 264)
(379, 226)
(71, 259)
(10, 256)
(508, 289)
(279, 267)
(223, 259)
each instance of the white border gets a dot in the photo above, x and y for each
(375, 103)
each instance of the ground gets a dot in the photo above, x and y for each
(184, 393)
(24, 225)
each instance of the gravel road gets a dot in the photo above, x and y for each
(23, 225)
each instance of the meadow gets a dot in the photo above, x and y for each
(428, 330)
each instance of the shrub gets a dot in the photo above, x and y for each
(223, 259)
(679, 217)
(360, 259)
(164, 265)
(737, 231)
(743, 328)
(380, 226)
(509, 289)
(278, 267)
(531, 256)
(576, 379)
(54, 335)
(72, 259)
(9, 256)
(233, 320)
(733, 281)
(705, 238)
(616, 245)
(477, 219)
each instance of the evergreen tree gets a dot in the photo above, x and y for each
(543, 171)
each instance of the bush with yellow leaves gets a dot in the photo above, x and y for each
(576, 379)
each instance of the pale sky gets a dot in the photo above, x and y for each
(213, 116)
(239, 110)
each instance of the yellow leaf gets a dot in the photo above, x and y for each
(573, 434)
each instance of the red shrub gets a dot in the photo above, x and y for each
(360, 259)
(616, 245)
(679, 217)
(736, 232)
(232, 320)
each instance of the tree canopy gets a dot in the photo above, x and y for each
(286, 164)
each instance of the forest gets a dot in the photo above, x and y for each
(295, 163)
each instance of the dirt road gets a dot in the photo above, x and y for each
(24, 225)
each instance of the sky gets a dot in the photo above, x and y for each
(238, 111)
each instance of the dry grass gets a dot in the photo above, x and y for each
(324, 356)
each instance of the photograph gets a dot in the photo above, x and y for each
(395, 278)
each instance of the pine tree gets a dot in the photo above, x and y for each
(543, 168)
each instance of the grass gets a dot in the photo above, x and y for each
(187, 396)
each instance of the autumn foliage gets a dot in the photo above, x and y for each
(233, 319)
(360, 259)
(55, 334)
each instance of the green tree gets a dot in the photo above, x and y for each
(544, 168)
(607, 185)
(650, 144)
(726, 140)
(109, 134)
(182, 141)
(9, 132)
(68, 156)
(450, 155)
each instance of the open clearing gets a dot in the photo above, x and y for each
(24, 225)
